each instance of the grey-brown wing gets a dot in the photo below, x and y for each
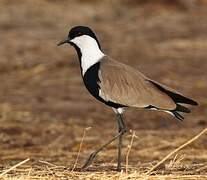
(122, 84)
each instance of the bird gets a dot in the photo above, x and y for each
(120, 86)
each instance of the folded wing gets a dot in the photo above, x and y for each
(125, 85)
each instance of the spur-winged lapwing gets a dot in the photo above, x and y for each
(120, 86)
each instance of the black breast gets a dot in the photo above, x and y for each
(91, 81)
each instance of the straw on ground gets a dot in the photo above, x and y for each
(13, 167)
(176, 150)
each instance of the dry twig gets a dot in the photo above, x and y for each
(79, 150)
(176, 150)
(13, 167)
(48, 163)
(129, 149)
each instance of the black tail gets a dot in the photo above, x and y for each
(179, 108)
(175, 112)
(177, 115)
(177, 98)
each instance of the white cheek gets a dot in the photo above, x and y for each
(78, 40)
(90, 51)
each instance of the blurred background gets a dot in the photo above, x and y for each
(44, 106)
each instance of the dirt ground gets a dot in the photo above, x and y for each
(45, 108)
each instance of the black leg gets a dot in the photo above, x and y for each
(121, 128)
(92, 156)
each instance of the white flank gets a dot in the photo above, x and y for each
(90, 51)
(119, 110)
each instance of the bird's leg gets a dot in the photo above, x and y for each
(121, 128)
(93, 155)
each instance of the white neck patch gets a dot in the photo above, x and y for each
(91, 54)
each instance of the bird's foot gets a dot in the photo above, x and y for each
(118, 168)
(89, 160)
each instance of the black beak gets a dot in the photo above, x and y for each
(67, 40)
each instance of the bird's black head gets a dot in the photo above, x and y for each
(79, 31)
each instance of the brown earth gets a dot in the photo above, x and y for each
(44, 106)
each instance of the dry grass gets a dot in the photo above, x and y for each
(81, 143)
(175, 151)
(53, 171)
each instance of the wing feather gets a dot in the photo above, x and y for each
(125, 85)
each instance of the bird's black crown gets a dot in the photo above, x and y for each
(82, 30)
